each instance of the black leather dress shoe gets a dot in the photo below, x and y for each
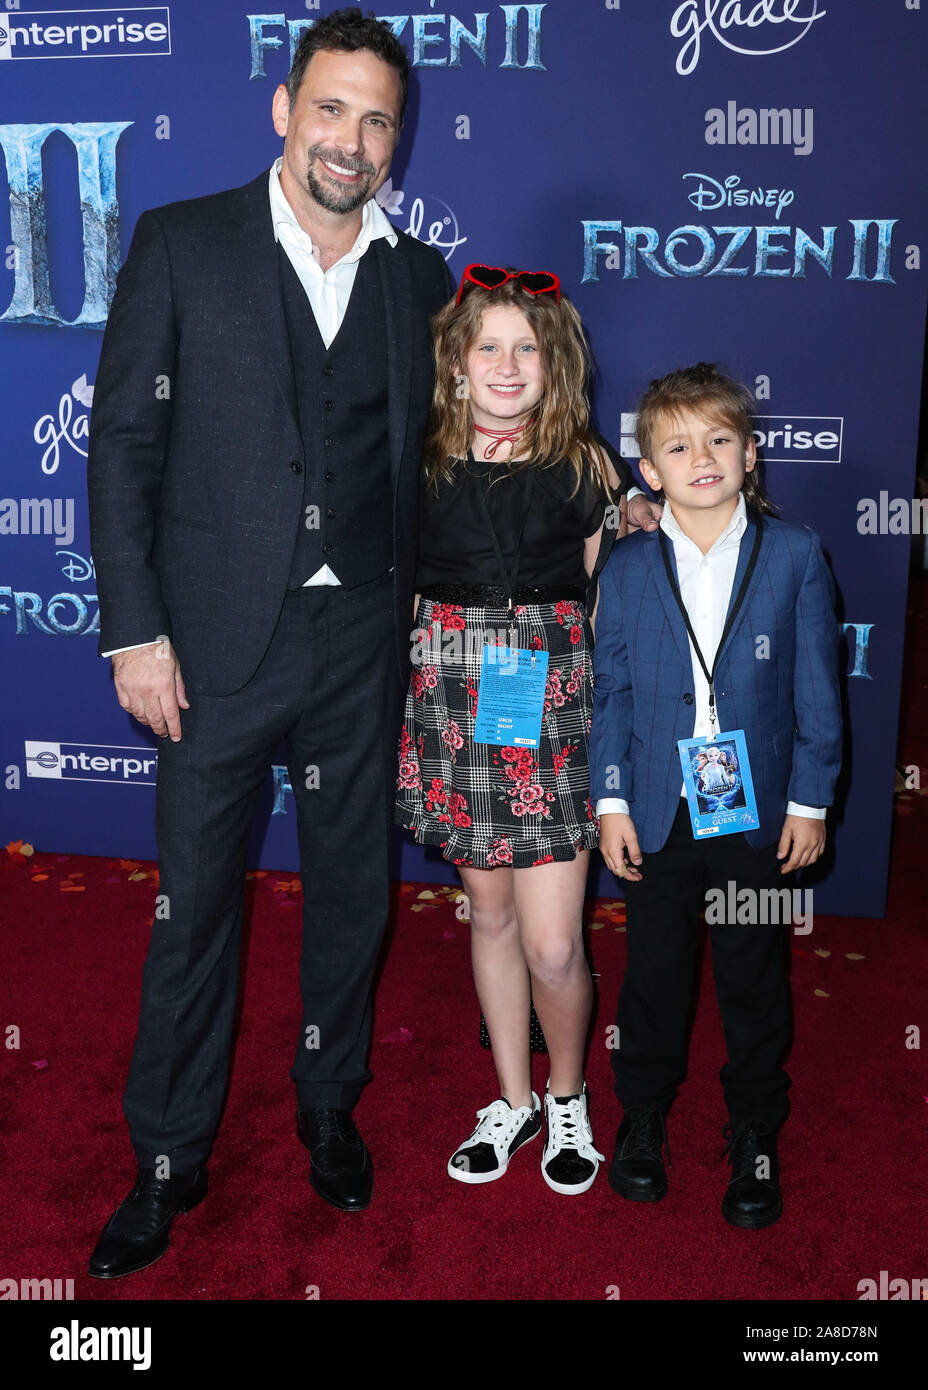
(637, 1170)
(341, 1170)
(137, 1233)
(753, 1199)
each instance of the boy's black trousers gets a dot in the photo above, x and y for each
(749, 963)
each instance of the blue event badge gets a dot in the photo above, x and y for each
(719, 786)
(511, 697)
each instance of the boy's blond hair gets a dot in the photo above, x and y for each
(706, 391)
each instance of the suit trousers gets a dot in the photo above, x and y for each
(748, 961)
(328, 687)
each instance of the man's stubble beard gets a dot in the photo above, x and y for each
(348, 201)
(331, 198)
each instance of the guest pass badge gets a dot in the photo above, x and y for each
(511, 697)
(719, 786)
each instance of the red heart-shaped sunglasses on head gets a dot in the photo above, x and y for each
(490, 277)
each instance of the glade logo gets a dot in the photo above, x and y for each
(430, 219)
(100, 34)
(70, 426)
(91, 762)
(695, 17)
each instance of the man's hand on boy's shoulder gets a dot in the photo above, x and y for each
(643, 513)
(617, 836)
(803, 840)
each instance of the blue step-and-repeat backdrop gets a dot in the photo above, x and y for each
(731, 180)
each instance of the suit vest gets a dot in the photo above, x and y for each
(341, 395)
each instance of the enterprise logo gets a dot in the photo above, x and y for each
(123, 33)
(783, 438)
(800, 438)
(91, 762)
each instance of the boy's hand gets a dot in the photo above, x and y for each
(617, 837)
(805, 836)
(644, 513)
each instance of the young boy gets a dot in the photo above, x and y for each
(719, 621)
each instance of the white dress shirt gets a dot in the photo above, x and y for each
(706, 583)
(328, 291)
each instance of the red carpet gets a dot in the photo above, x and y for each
(74, 933)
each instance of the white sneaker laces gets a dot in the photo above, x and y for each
(499, 1124)
(569, 1128)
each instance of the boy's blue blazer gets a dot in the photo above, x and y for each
(787, 701)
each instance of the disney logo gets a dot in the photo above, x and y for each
(68, 428)
(718, 16)
(709, 195)
(78, 567)
(442, 230)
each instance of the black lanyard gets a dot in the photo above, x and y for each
(729, 621)
(509, 578)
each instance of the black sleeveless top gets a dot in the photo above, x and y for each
(455, 545)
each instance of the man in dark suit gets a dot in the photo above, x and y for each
(259, 408)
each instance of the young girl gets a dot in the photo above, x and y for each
(514, 498)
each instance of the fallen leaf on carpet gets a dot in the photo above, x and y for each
(823, 954)
(822, 994)
(401, 1035)
(853, 955)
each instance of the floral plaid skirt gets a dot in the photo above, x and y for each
(485, 805)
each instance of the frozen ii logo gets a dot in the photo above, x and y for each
(751, 28)
(769, 249)
(509, 36)
(94, 144)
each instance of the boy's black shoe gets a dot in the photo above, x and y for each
(753, 1199)
(637, 1170)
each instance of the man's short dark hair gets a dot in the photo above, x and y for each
(349, 31)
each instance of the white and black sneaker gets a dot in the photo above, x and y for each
(569, 1163)
(485, 1156)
